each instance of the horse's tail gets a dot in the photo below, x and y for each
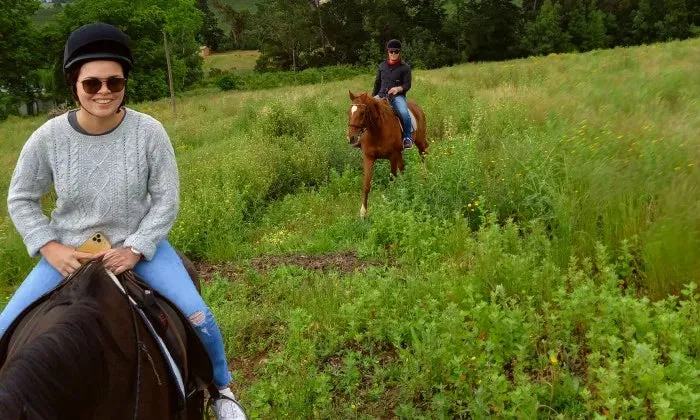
(421, 136)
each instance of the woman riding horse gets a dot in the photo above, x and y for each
(393, 82)
(113, 170)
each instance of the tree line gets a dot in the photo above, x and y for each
(436, 33)
(31, 57)
(300, 34)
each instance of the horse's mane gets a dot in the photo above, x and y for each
(376, 107)
(61, 369)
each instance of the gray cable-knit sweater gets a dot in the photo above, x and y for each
(123, 183)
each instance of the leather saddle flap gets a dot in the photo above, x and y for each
(165, 317)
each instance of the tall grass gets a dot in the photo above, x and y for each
(238, 61)
(539, 264)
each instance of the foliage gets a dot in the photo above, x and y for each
(305, 33)
(144, 22)
(239, 21)
(18, 60)
(228, 82)
(210, 34)
(268, 80)
(546, 35)
(540, 263)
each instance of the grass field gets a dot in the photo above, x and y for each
(240, 62)
(542, 264)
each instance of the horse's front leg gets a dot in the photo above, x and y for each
(368, 167)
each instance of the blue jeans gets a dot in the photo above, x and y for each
(399, 104)
(166, 274)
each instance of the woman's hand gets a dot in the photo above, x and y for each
(63, 258)
(395, 90)
(118, 260)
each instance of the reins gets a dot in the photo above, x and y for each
(130, 302)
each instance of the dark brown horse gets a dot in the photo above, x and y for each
(84, 353)
(373, 127)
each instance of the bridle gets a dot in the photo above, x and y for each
(362, 127)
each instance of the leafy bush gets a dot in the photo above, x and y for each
(229, 82)
(269, 80)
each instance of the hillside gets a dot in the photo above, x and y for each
(237, 5)
(542, 263)
(45, 13)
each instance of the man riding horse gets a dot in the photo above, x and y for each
(392, 83)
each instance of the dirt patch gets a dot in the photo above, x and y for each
(226, 270)
(247, 365)
(344, 262)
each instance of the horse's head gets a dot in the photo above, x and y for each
(359, 117)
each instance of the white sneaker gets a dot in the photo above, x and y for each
(227, 408)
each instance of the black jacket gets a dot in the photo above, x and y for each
(388, 77)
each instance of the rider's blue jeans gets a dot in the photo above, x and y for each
(399, 104)
(166, 274)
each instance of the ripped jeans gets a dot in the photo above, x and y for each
(166, 274)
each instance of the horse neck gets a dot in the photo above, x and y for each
(378, 117)
(61, 372)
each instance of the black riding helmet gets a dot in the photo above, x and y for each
(393, 44)
(97, 41)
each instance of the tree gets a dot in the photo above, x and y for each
(238, 20)
(546, 35)
(210, 33)
(347, 37)
(144, 23)
(284, 28)
(20, 55)
(596, 36)
(586, 27)
(488, 29)
(676, 21)
(645, 27)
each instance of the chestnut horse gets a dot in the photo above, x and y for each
(83, 353)
(375, 128)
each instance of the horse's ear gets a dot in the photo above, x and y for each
(352, 97)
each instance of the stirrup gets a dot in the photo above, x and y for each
(407, 143)
(219, 396)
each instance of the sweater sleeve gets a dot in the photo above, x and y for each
(406, 81)
(31, 179)
(164, 190)
(377, 83)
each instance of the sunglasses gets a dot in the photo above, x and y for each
(394, 51)
(114, 84)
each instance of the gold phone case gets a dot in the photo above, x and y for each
(96, 243)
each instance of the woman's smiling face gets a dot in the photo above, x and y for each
(103, 103)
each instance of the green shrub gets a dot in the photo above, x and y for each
(229, 82)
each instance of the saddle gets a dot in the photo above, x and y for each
(169, 323)
(414, 123)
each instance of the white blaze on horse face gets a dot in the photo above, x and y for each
(352, 110)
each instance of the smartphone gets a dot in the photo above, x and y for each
(98, 242)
